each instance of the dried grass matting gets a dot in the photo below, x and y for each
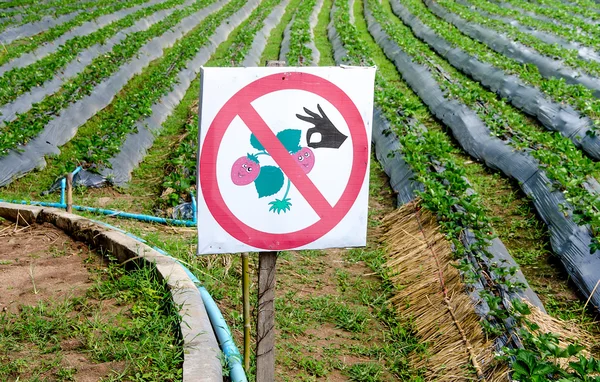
(431, 293)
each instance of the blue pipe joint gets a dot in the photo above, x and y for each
(76, 171)
(194, 209)
(63, 186)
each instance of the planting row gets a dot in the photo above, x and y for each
(27, 125)
(101, 155)
(17, 81)
(58, 118)
(44, 15)
(570, 57)
(297, 47)
(553, 115)
(24, 102)
(559, 188)
(568, 169)
(429, 155)
(438, 176)
(141, 137)
(553, 14)
(583, 52)
(136, 100)
(245, 49)
(49, 40)
(545, 75)
(12, 33)
(553, 27)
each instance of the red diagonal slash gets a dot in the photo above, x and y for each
(282, 157)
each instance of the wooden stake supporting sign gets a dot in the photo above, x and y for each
(265, 320)
(283, 165)
(246, 301)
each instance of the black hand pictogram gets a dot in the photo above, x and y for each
(331, 137)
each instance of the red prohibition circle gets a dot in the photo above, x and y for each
(236, 105)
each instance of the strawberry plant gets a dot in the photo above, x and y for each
(562, 161)
(29, 124)
(300, 53)
(443, 191)
(21, 80)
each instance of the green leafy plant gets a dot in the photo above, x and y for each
(17, 81)
(299, 53)
(444, 190)
(562, 161)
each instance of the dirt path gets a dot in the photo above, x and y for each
(40, 263)
(66, 314)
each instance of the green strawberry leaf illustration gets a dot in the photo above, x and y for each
(269, 181)
(290, 138)
(255, 143)
(280, 205)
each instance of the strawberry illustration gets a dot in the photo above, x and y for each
(245, 170)
(269, 180)
(305, 159)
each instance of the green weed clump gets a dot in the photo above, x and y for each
(126, 317)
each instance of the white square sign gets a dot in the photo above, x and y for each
(284, 158)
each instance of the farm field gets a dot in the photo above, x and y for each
(484, 178)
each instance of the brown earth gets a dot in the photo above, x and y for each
(40, 263)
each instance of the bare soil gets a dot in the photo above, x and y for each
(40, 263)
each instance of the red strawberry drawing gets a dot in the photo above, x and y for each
(245, 170)
(305, 159)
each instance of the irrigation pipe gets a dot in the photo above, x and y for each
(113, 213)
(222, 331)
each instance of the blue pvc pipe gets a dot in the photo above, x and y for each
(194, 209)
(35, 203)
(121, 214)
(63, 186)
(128, 215)
(232, 354)
(222, 331)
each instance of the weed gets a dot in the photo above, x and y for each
(313, 366)
(365, 372)
(143, 333)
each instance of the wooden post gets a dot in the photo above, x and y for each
(70, 192)
(265, 322)
(246, 300)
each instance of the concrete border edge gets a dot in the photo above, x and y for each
(202, 355)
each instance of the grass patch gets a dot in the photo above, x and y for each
(126, 323)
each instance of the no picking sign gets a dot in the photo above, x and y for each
(283, 158)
